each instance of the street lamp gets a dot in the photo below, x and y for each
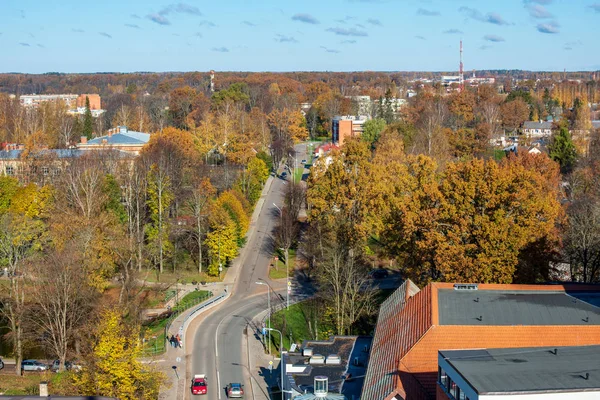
(281, 355)
(261, 282)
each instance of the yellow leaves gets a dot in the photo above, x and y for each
(114, 368)
(290, 124)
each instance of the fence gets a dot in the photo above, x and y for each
(158, 344)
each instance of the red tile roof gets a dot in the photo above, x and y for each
(403, 361)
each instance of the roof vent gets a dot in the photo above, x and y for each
(317, 359)
(122, 129)
(307, 352)
(333, 359)
(465, 286)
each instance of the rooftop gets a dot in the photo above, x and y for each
(516, 307)
(537, 125)
(50, 153)
(122, 136)
(527, 369)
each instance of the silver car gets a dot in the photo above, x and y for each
(33, 365)
(235, 390)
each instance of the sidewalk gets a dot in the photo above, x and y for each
(258, 364)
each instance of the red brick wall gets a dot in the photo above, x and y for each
(440, 394)
(95, 102)
(421, 360)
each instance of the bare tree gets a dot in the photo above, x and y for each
(62, 298)
(82, 184)
(286, 233)
(295, 195)
(582, 240)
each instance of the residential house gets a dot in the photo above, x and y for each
(119, 138)
(537, 129)
(532, 373)
(414, 324)
(342, 359)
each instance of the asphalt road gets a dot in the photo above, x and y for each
(219, 340)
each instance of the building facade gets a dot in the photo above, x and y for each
(119, 138)
(344, 127)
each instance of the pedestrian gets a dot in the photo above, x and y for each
(177, 341)
(172, 341)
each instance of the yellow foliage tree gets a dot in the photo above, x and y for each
(114, 368)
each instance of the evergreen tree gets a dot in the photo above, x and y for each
(562, 149)
(88, 122)
(388, 113)
(380, 111)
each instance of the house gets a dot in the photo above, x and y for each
(342, 360)
(535, 373)
(119, 138)
(537, 129)
(414, 324)
(325, 149)
(343, 127)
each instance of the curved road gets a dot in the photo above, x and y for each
(219, 347)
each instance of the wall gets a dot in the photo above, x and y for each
(95, 102)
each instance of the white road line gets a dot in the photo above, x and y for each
(217, 340)
(219, 383)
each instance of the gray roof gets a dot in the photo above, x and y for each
(527, 369)
(505, 307)
(124, 137)
(595, 124)
(537, 125)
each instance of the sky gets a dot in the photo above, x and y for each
(38, 36)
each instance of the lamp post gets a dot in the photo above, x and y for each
(261, 282)
(280, 362)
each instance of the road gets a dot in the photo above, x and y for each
(219, 349)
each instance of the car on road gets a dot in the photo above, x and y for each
(235, 390)
(1, 364)
(69, 366)
(199, 385)
(303, 161)
(33, 365)
(283, 175)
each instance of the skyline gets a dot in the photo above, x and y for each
(339, 35)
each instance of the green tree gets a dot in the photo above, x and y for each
(114, 367)
(221, 240)
(372, 129)
(562, 149)
(160, 197)
(112, 190)
(88, 121)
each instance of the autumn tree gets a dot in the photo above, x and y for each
(514, 113)
(114, 368)
(160, 196)
(222, 240)
(199, 205)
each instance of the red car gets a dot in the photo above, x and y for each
(199, 384)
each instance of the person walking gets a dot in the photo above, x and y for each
(172, 341)
(177, 341)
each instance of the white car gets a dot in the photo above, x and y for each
(33, 365)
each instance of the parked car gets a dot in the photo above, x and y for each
(69, 366)
(33, 365)
(1, 364)
(235, 390)
(379, 273)
(303, 161)
(199, 385)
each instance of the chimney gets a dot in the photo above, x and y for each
(110, 133)
(84, 140)
(44, 389)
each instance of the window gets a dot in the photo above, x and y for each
(10, 170)
(442, 376)
(45, 170)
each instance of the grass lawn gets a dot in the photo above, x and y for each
(29, 384)
(279, 271)
(185, 276)
(298, 172)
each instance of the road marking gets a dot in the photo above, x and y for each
(219, 383)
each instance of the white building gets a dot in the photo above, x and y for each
(537, 129)
(32, 100)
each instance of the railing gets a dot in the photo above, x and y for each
(159, 345)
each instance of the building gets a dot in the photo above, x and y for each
(119, 138)
(448, 80)
(33, 100)
(537, 129)
(342, 359)
(414, 324)
(95, 101)
(344, 127)
(364, 104)
(534, 373)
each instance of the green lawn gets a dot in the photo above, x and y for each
(298, 174)
(185, 276)
(279, 271)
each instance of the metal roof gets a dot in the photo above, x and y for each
(506, 307)
(58, 153)
(537, 125)
(122, 138)
(527, 369)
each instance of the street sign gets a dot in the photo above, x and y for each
(178, 359)
(289, 289)
(270, 365)
(289, 283)
(264, 331)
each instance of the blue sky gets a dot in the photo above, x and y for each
(289, 35)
